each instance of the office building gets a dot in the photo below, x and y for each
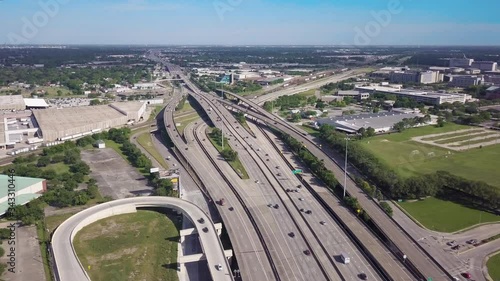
(461, 62)
(464, 81)
(485, 65)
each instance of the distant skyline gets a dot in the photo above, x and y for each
(250, 22)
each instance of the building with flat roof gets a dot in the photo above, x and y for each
(26, 189)
(464, 81)
(380, 122)
(134, 110)
(419, 96)
(35, 103)
(461, 62)
(12, 102)
(485, 65)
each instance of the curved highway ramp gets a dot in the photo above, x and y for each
(69, 268)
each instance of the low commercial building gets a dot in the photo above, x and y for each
(354, 94)
(485, 65)
(423, 77)
(12, 102)
(70, 123)
(419, 96)
(380, 122)
(461, 62)
(26, 190)
(35, 103)
(493, 93)
(464, 81)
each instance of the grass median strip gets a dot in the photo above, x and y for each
(147, 143)
(465, 138)
(485, 140)
(236, 164)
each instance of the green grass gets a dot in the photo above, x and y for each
(43, 238)
(186, 108)
(155, 112)
(60, 167)
(117, 148)
(138, 246)
(310, 130)
(236, 164)
(395, 150)
(145, 141)
(493, 265)
(464, 138)
(446, 216)
(52, 222)
(185, 120)
(451, 135)
(308, 93)
(496, 138)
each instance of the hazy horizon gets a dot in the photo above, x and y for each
(251, 22)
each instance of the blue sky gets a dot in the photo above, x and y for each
(251, 22)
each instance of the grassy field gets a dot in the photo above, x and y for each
(52, 222)
(399, 152)
(464, 138)
(308, 93)
(494, 267)
(155, 112)
(139, 246)
(236, 164)
(446, 216)
(145, 141)
(60, 167)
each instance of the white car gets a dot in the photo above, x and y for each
(218, 267)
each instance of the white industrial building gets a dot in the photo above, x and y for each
(419, 96)
(380, 122)
(26, 189)
(12, 102)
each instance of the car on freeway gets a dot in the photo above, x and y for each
(257, 181)
(269, 205)
(362, 276)
(308, 212)
(277, 167)
(276, 206)
(301, 209)
(287, 190)
(467, 275)
(299, 186)
(201, 220)
(278, 174)
(322, 222)
(472, 241)
(205, 229)
(231, 209)
(218, 267)
(307, 252)
(291, 234)
(301, 199)
(222, 201)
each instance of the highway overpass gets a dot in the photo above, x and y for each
(69, 267)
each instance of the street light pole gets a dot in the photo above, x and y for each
(345, 166)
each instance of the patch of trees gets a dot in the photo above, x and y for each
(243, 86)
(343, 86)
(415, 187)
(407, 123)
(228, 154)
(181, 104)
(240, 116)
(287, 102)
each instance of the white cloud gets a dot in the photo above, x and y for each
(142, 5)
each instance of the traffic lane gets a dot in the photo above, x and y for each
(254, 169)
(271, 221)
(376, 248)
(329, 234)
(252, 266)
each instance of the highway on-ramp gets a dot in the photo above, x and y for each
(69, 267)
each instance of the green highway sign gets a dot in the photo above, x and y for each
(298, 171)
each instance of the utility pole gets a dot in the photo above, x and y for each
(222, 135)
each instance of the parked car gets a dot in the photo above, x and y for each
(451, 243)
(472, 241)
(467, 275)
(456, 247)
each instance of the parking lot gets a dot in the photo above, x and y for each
(114, 176)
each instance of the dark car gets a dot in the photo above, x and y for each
(291, 234)
(205, 229)
(307, 252)
(308, 212)
(456, 247)
(276, 206)
(467, 275)
(362, 276)
(201, 220)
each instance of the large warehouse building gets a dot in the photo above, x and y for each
(68, 123)
(26, 189)
(12, 102)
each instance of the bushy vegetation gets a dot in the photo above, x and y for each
(287, 102)
(343, 86)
